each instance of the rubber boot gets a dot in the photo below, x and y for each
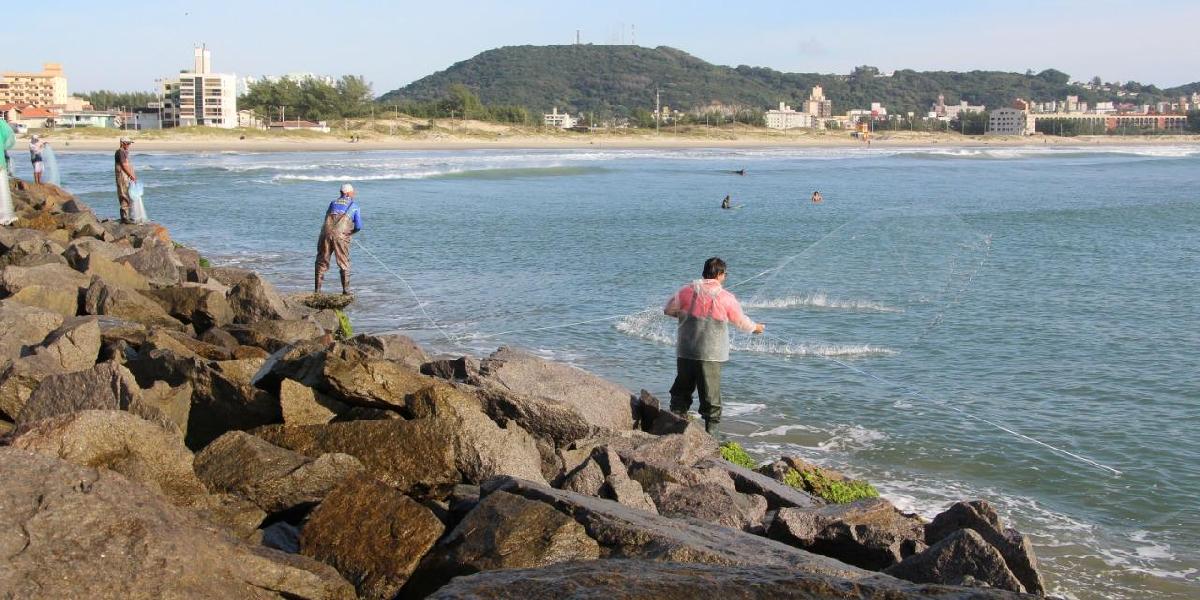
(317, 282)
(713, 428)
(345, 283)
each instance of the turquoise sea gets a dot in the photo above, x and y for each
(1016, 324)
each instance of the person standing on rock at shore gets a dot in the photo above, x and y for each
(704, 310)
(125, 176)
(342, 220)
(36, 145)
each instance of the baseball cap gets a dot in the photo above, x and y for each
(126, 140)
(347, 188)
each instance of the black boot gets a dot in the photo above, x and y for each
(713, 428)
(345, 283)
(317, 282)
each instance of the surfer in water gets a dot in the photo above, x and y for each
(725, 203)
(816, 198)
(740, 172)
(342, 220)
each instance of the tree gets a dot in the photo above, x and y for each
(1054, 76)
(107, 99)
(1097, 82)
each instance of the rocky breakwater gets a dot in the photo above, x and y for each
(172, 429)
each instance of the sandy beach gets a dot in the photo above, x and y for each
(447, 134)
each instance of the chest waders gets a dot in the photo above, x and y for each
(335, 240)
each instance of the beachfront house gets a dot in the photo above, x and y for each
(559, 120)
(89, 118)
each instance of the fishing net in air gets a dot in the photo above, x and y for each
(138, 211)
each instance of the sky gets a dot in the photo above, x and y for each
(395, 43)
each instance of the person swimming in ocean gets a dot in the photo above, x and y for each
(740, 172)
(816, 198)
(725, 203)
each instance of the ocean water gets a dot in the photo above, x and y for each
(1019, 324)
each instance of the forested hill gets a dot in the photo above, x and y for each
(616, 79)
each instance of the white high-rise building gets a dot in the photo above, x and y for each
(200, 97)
(1010, 121)
(787, 118)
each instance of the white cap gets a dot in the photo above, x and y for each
(347, 188)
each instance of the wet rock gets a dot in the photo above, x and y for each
(626, 532)
(273, 478)
(253, 299)
(73, 532)
(121, 442)
(103, 298)
(642, 580)
(372, 534)
(22, 325)
(301, 405)
(416, 457)
(959, 556)
(505, 532)
(778, 494)
(871, 534)
(107, 386)
(978, 515)
(600, 403)
(156, 262)
(199, 307)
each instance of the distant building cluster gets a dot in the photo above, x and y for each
(559, 120)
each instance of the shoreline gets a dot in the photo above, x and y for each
(187, 143)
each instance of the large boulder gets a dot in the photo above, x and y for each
(199, 307)
(372, 534)
(395, 347)
(272, 335)
(415, 457)
(68, 531)
(27, 248)
(642, 580)
(220, 402)
(625, 532)
(979, 516)
(112, 272)
(74, 346)
(52, 276)
(302, 405)
(18, 379)
(871, 534)
(541, 395)
(122, 442)
(604, 475)
(253, 299)
(106, 386)
(78, 252)
(64, 301)
(959, 556)
(273, 478)
(22, 325)
(504, 532)
(103, 298)
(156, 262)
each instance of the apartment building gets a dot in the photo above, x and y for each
(559, 120)
(787, 118)
(48, 88)
(200, 97)
(1010, 121)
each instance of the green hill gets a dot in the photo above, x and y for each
(616, 80)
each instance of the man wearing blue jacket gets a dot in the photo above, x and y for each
(342, 220)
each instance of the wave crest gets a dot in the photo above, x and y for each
(823, 301)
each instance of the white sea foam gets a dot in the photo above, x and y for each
(649, 326)
(821, 300)
(783, 430)
(851, 438)
(738, 409)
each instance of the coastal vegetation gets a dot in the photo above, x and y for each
(736, 454)
(310, 98)
(620, 80)
(108, 99)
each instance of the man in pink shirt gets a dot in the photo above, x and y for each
(705, 310)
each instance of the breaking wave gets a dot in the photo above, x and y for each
(649, 326)
(822, 301)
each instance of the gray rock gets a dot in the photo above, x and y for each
(777, 494)
(79, 250)
(629, 533)
(102, 298)
(271, 335)
(711, 502)
(505, 532)
(74, 532)
(871, 534)
(641, 580)
(454, 369)
(979, 516)
(52, 276)
(282, 536)
(156, 262)
(253, 299)
(372, 534)
(395, 347)
(121, 442)
(273, 478)
(600, 403)
(959, 556)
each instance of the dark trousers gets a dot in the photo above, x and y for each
(692, 375)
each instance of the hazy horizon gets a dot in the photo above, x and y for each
(396, 44)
